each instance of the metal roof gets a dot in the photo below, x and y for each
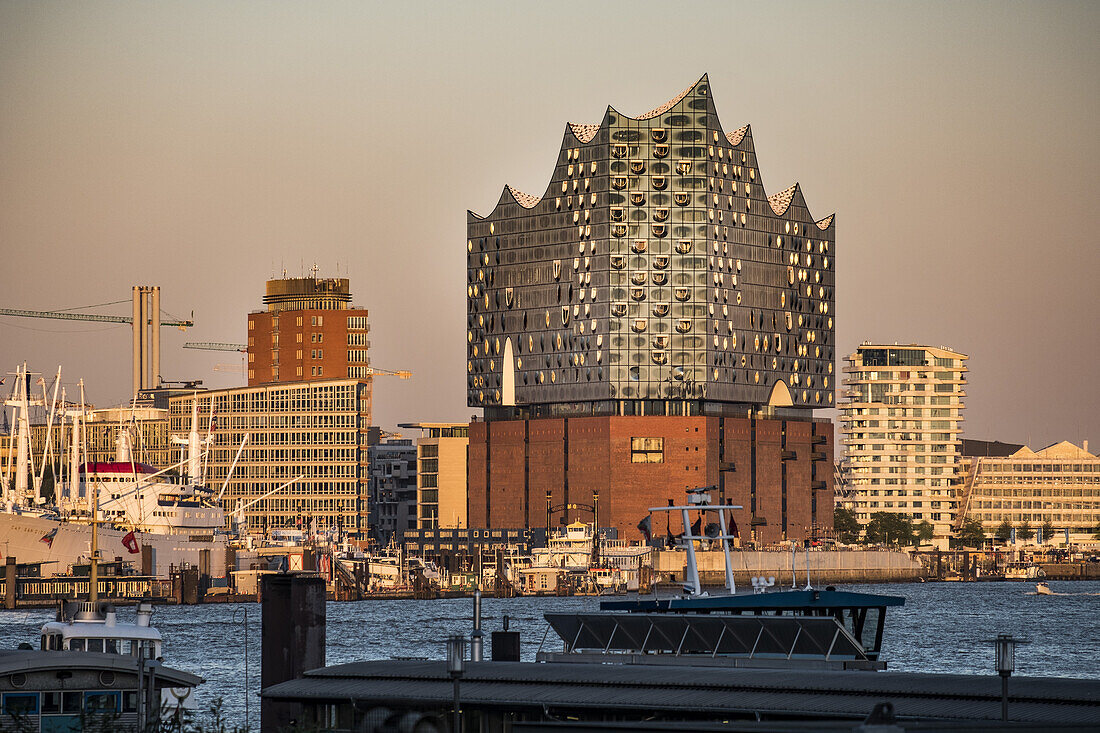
(720, 691)
(713, 635)
(31, 661)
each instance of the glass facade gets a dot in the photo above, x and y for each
(654, 275)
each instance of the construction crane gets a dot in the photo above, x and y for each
(214, 346)
(146, 323)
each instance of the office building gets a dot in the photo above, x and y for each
(1057, 487)
(901, 423)
(391, 489)
(308, 331)
(441, 494)
(654, 321)
(313, 434)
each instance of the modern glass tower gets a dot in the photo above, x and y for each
(654, 321)
(655, 275)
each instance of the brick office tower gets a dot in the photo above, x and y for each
(654, 322)
(308, 331)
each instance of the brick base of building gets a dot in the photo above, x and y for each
(779, 470)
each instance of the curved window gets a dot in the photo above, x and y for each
(684, 325)
(683, 167)
(682, 294)
(659, 182)
(637, 293)
(661, 262)
(618, 309)
(659, 230)
(683, 246)
(618, 183)
(618, 262)
(638, 246)
(618, 213)
(659, 134)
(637, 198)
(681, 198)
(618, 150)
(660, 310)
(660, 357)
(637, 166)
(638, 326)
(660, 278)
(618, 230)
(638, 278)
(660, 150)
(660, 214)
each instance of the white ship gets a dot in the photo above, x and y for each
(178, 519)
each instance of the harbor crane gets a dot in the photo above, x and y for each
(146, 321)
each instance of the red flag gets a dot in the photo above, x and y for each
(130, 543)
(48, 537)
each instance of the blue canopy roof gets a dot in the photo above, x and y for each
(794, 600)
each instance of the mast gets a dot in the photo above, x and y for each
(93, 568)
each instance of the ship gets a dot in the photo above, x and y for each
(157, 519)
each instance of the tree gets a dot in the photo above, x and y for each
(1048, 531)
(846, 525)
(1004, 531)
(971, 534)
(1024, 531)
(888, 527)
(925, 531)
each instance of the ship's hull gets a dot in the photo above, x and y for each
(22, 537)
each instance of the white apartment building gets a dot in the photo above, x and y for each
(901, 425)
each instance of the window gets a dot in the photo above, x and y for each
(20, 703)
(647, 450)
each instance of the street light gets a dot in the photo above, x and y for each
(456, 665)
(1005, 664)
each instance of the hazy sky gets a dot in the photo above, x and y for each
(205, 147)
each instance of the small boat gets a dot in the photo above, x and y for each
(1043, 589)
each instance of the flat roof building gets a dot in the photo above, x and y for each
(654, 321)
(441, 452)
(315, 430)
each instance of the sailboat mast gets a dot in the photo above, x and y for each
(93, 569)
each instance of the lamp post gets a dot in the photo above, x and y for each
(1005, 664)
(456, 665)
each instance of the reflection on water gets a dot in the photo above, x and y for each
(943, 627)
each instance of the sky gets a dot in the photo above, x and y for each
(208, 146)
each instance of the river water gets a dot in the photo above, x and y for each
(943, 627)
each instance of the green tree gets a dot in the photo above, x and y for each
(925, 531)
(1004, 531)
(846, 525)
(1024, 531)
(1048, 531)
(890, 528)
(971, 534)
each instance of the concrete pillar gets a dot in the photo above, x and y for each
(148, 561)
(10, 582)
(139, 332)
(154, 337)
(292, 638)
